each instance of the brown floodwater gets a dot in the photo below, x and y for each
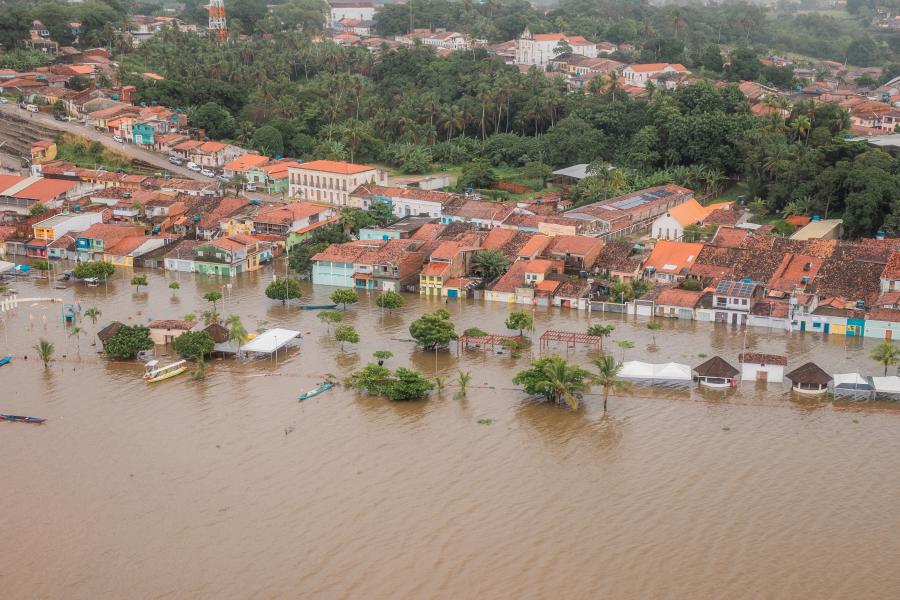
(230, 488)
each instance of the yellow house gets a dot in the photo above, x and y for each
(43, 151)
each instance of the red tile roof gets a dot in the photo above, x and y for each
(332, 166)
(578, 245)
(679, 297)
(246, 162)
(673, 257)
(45, 189)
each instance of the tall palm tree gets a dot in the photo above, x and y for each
(463, 379)
(237, 333)
(45, 351)
(887, 354)
(607, 376)
(77, 332)
(93, 313)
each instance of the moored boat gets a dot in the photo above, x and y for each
(322, 388)
(20, 419)
(5, 360)
(155, 373)
(317, 306)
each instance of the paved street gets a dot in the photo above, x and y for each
(89, 132)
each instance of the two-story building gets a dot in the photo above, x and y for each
(731, 302)
(330, 181)
(60, 224)
(525, 280)
(227, 256)
(539, 49)
(281, 219)
(450, 260)
(638, 75)
(92, 243)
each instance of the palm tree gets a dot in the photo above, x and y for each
(489, 264)
(174, 286)
(236, 331)
(45, 351)
(76, 333)
(463, 379)
(93, 313)
(887, 354)
(624, 345)
(607, 375)
(556, 380)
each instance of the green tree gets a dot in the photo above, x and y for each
(45, 351)
(41, 264)
(711, 58)
(215, 120)
(283, 289)
(193, 345)
(137, 281)
(344, 297)
(601, 330)
(346, 333)
(607, 376)
(624, 345)
(555, 380)
(382, 355)
(330, 317)
(692, 285)
(127, 342)
(887, 354)
(76, 333)
(237, 333)
(174, 286)
(477, 174)
(94, 270)
(381, 213)
(93, 313)
(390, 300)
(489, 264)
(402, 384)
(213, 297)
(433, 330)
(521, 320)
(268, 141)
(474, 332)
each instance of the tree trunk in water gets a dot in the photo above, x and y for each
(605, 398)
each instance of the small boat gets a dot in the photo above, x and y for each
(5, 360)
(155, 373)
(317, 306)
(322, 388)
(18, 419)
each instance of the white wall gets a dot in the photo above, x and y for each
(774, 373)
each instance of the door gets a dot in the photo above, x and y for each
(452, 293)
(761, 375)
(802, 325)
(888, 334)
(826, 327)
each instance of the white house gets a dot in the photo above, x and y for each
(731, 303)
(670, 226)
(330, 181)
(405, 202)
(639, 74)
(359, 11)
(765, 368)
(540, 48)
(58, 225)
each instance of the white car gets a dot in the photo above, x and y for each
(118, 139)
(3, 100)
(193, 167)
(207, 173)
(251, 186)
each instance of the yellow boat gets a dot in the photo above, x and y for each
(156, 373)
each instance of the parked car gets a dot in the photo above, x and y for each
(32, 108)
(60, 117)
(118, 139)
(3, 100)
(251, 186)
(193, 166)
(207, 172)
(223, 178)
(176, 160)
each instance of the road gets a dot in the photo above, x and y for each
(90, 133)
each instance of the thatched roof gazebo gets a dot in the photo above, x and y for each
(809, 379)
(716, 373)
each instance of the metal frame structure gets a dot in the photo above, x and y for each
(571, 339)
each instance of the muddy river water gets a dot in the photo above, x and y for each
(230, 488)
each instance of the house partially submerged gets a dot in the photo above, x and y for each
(809, 379)
(716, 373)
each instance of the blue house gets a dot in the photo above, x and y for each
(143, 133)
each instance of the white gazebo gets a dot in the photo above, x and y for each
(270, 341)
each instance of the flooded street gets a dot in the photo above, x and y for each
(230, 488)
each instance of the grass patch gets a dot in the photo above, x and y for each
(485, 421)
(84, 153)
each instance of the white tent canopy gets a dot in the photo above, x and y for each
(887, 385)
(270, 341)
(671, 372)
(852, 381)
